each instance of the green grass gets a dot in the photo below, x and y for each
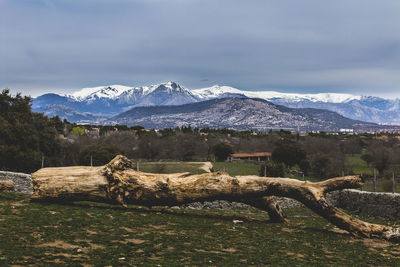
(237, 168)
(382, 185)
(171, 167)
(358, 165)
(88, 233)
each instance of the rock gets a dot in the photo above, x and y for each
(22, 181)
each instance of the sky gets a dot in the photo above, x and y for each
(309, 46)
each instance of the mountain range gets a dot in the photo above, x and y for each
(100, 104)
(240, 114)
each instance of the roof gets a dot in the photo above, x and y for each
(247, 155)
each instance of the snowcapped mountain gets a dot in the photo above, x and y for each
(108, 101)
(158, 94)
(112, 92)
(364, 108)
(217, 91)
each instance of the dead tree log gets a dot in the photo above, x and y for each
(7, 185)
(117, 181)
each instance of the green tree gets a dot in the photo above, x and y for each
(221, 151)
(305, 167)
(24, 135)
(77, 131)
(368, 158)
(321, 166)
(288, 152)
(381, 158)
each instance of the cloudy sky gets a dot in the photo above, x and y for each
(290, 46)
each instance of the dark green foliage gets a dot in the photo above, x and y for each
(288, 152)
(59, 125)
(380, 157)
(221, 151)
(367, 157)
(25, 136)
(305, 167)
(272, 169)
(101, 154)
(321, 166)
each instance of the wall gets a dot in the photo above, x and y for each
(22, 181)
(386, 205)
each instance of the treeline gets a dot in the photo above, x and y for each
(26, 137)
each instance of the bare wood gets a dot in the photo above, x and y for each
(7, 185)
(117, 181)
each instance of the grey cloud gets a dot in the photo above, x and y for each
(303, 46)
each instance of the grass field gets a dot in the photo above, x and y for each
(237, 168)
(171, 167)
(358, 165)
(85, 234)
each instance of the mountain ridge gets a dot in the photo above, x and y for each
(238, 114)
(108, 101)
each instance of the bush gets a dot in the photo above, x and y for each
(288, 152)
(101, 154)
(305, 167)
(272, 169)
(321, 166)
(221, 151)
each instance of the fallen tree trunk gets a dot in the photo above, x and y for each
(117, 181)
(7, 185)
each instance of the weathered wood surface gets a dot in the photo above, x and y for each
(117, 181)
(7, 185)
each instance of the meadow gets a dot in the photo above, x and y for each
(96, 234)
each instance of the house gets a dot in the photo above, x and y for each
(259, 156)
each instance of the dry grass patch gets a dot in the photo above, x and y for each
(134, 241)
(58, 244)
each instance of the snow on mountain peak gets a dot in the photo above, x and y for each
(115, 91)
(218, 91)
(215, 91)
(111, 91)
(321, 97)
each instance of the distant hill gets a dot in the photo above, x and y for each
(237, 113)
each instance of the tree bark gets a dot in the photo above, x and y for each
(117, 181)
(7, 185)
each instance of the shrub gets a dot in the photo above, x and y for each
(305, 167)
(288, 152)
(321, 166)
(272, 169)
(221, 151)
(101, 154)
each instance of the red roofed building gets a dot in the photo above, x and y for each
(259, 156)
